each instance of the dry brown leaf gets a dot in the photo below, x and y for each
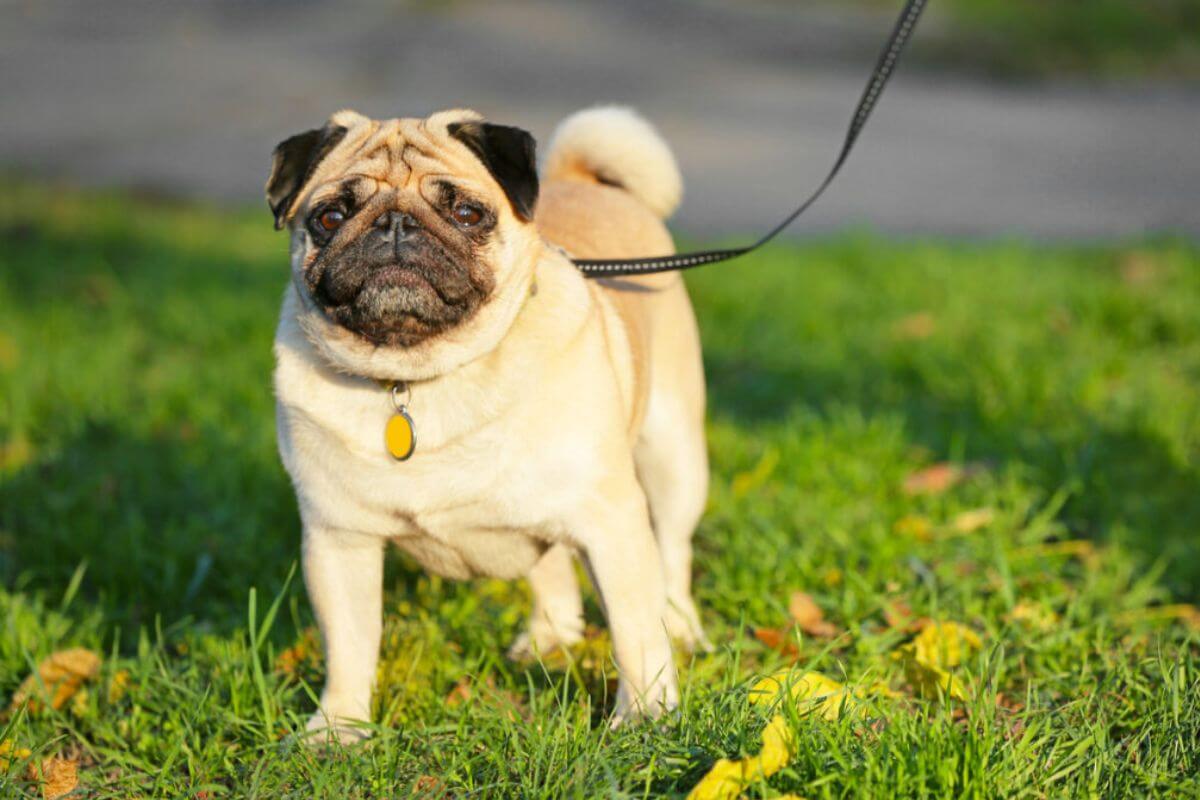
(460, 694)
(897, 613)
(973, 520)
(61, 675)
(306, 651)
(429, 786)
(778, 639)
(1139, 268)
(1008, 703)
(920, 325)
(809, 617)
(937, 478)
(59, 777)
(899, 616)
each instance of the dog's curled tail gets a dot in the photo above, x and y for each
(614, 145)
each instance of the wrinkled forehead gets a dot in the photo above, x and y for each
(398, 154)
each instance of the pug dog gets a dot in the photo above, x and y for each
(449, 382)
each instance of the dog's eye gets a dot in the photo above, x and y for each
(331, 220)
(466, 215)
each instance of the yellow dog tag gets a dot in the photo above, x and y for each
(399, 436)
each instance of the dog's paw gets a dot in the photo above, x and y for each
(661, 698)
(684, 628)
(323, 730)
(542, 638)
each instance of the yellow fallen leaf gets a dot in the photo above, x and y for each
(118, 685)
(1186, 613)
(832, 577)
(973, 520)
(745, 482)
(59, 777)
(1080, 548)
(727, 778)
(1033, 615)
(57, 679)
(928, 658)
(9, 352)
(946, 644)
(79, 703)
(914, 526)
(15, 453)
(932, 681)
(812, 692)
(9, 753)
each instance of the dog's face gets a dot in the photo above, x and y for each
(412, 240)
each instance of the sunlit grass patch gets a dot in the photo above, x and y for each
(1001, 436)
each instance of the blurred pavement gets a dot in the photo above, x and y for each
(190, 98)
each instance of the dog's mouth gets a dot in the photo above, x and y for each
(399, 303)
(401, 275)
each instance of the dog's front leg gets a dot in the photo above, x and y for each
(344, 575)
(624, 563)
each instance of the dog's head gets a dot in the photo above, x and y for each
(413, 242)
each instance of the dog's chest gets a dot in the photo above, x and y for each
(475, 504)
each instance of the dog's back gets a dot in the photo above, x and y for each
(610, 181)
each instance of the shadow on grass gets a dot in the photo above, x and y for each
(171, 526)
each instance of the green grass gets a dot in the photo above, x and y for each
(1030, 38)
(143, 513)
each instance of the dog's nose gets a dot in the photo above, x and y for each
(396, 227)
(399, 222)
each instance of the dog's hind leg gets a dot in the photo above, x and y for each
(557, 616)
(672, 467)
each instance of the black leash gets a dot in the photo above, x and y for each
(611, 268)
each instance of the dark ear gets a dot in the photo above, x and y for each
(293, 163)
(508, 153)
